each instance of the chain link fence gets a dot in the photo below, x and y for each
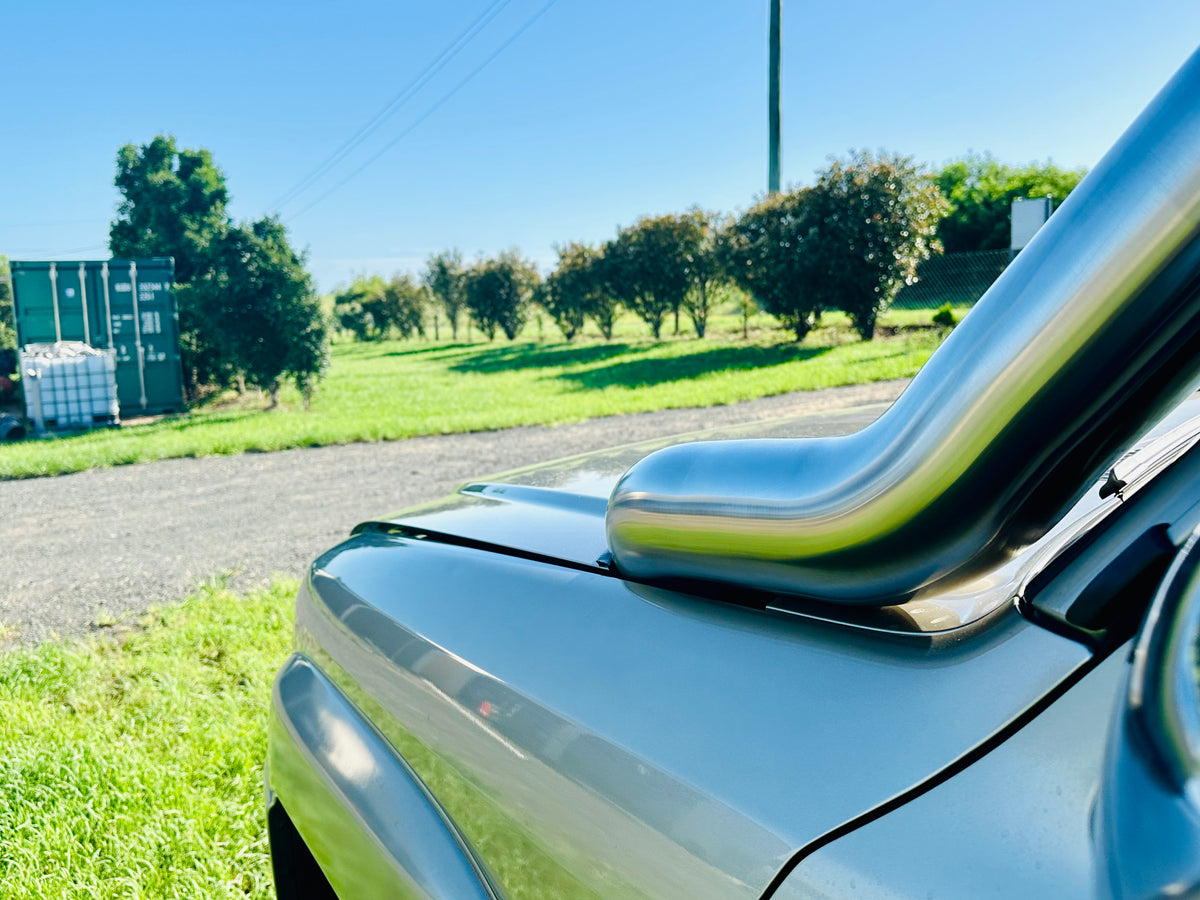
(955, 278)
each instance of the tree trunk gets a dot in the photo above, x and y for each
(865, 326)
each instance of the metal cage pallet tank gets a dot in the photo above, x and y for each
(69, 385)
(121, 305)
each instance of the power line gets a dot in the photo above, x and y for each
(436, 65)
(425, 115)
(439, 62)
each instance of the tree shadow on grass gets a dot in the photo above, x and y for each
(511, 357)
(201, 419)
(433, 348)
(651, 371)
(174, 424)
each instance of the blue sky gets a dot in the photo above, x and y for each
(598, 112)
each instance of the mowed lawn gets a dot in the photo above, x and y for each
(133, 762)
(397, 389)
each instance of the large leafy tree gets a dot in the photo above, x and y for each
(648, 266)
(445, 278)
(981, 191)
(764, 252)
(247, 311)
(172, 204)
(872, 218)
(256, 286)
(498, 292)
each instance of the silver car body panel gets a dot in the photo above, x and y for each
(1017, 823)
(1094, 798)
(618, 740)
(368, 821)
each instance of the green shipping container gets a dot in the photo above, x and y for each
(122, 304)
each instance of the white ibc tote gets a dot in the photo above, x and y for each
(69, 385)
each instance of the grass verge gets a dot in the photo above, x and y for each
(132, 763)
(392, 389)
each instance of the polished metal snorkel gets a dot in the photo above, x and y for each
(1086, 340)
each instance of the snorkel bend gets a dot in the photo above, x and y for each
(1088, 338)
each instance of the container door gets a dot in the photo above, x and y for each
(33, 298)
(97, 311)
(159, 327)
(70, 287)
(52, 302)
(117, 278)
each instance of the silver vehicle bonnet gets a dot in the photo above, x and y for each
(555, 511)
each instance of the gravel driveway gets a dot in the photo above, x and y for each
(81, 548)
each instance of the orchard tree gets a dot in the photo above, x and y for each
(604, 303)
(578, 289)
(565, 306)
(404, 304)
(872, 219)
(764, 251)
(981, 191)
(705, 271)
(372, 308)
(357, 308)
(444, 276)
(498, 292)
(746, 307)
(648, 266)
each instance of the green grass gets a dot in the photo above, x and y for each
(132, 763)
(392, 390)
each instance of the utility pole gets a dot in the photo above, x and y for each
(773, 100)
